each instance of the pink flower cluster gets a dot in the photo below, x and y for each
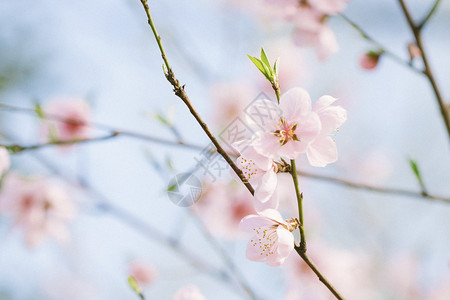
(38, 207)
(294, 129)
(309, 18)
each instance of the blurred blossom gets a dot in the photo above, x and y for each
(349, 272)
(402, 274)
(229, 101)
(68, 119)
(4, 161)
(143, 272)
(38, 207)
(189, 292)
(369, 60)
(272, 240)
(222, 206)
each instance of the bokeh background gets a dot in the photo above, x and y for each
(104, 52)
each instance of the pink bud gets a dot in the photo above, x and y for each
(369, 60)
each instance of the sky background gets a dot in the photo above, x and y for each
(104, 51)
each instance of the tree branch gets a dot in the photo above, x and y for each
(416, 30)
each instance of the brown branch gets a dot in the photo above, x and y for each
(416, 30)
(180, 92)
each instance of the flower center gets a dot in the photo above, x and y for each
(285, 131)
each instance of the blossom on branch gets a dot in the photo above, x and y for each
(189, 292)
(272, 241)
(66, 119)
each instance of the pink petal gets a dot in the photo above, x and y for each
(285, 241)
(265, 196)
(262, 114)
(322, 151)
(267, 144)
(250, 222)
(253, 252)
(309, 128)
(332, 117)
(293, 149)
(272, 214)
(322, 103)
(295, 103)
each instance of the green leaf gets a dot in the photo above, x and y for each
(264, 58)
(276, 65)
(415, 168)
(258, 64)
(163, 120)
(134, 285)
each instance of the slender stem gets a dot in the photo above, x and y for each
(301, 249)
(313, 267)
(416, 30)
(371, 188)
(429, 15)
(300, 205)
(16, 148)
(383, 49)
(180, 92)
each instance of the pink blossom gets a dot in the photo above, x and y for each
(189, 292)
(322, 150)
(222, 206)
(413, 50)
(68, 119)
(290, 134)
(4, 161)
(369, 60)
(144, 273)
(38, 207)
(261, 172)
(272, 241)
(320, 37)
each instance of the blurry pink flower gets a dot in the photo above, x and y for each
(261, 172)
(369, 60)
(322, 150)
(68, 120)
(222, 205)
(144, 273)
(374, 166)
(272, 241)
(290, 134)
(4, 161)
(321, 37)
(189, 292)
(38, 207)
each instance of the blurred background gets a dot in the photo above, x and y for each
(372, 245)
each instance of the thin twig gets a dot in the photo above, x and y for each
(382, 48)
(416, 30)
(180, 92)
(372, 188)
(16, 148)
(429, 15)
(301, 249)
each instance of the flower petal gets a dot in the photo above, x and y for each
(332, 117)
(295, 103)
(265, 195)
(310, 128)
(322, 151)
(250, 222)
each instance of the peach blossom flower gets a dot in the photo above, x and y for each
(272, 241)
(37, 207)
(4, 161)
(189, 292)
(322, 150)
(222, 205)
(329, 7)
(68, 120)
(144, 273)
(261, 172)
(290, 134)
